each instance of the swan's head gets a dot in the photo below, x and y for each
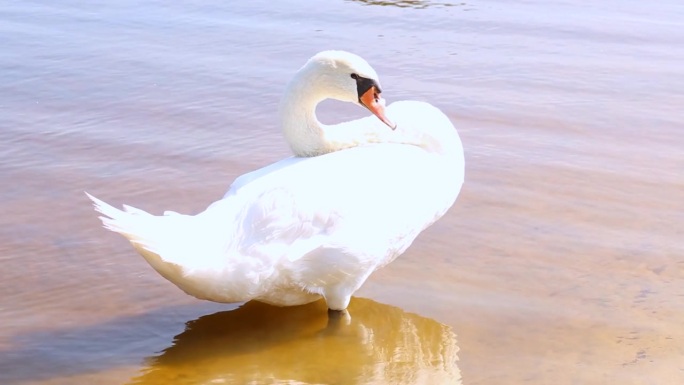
(347, 77)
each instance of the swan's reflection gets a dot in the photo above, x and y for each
(261, 344)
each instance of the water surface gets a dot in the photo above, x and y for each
(562, 261)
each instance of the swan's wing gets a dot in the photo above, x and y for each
(245, 179)
(362, 198)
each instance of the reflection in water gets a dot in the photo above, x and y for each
(258, 343)
(419, 4)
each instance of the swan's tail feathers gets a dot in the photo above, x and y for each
(136, 225)
(156, 238)
(171, 238)
(117, 220)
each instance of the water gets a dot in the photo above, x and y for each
(562, 261)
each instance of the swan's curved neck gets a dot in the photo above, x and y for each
(302, 130)
(419, 124)
(305, 134)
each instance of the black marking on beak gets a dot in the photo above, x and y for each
(364, 84)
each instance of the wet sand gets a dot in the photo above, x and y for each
(562, 261)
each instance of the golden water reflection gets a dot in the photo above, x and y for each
(259, 344)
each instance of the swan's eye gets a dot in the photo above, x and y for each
(355, 76)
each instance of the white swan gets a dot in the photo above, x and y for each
(307, 227)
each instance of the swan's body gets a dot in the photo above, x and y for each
(316, 226)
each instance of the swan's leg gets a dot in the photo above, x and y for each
(333, 273)
(337, 297)
(337, 318)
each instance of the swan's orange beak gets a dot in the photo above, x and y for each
(371, 100)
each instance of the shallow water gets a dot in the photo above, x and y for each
(562, 261)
